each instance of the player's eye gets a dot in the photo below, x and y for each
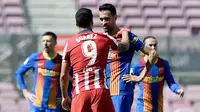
(106, 19)
(101, 19)
(152, 45)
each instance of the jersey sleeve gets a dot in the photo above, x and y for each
(170, 79)
(28, 64)
(135, 42)
(65, 57)
(113, 42)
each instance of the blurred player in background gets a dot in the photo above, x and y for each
(119, 62)
(45, 95)
(87, 54)
(150, 97)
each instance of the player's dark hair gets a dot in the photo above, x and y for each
(149, 37)
(108, 7)
(53, 35)
(84, 17)
(145, 38)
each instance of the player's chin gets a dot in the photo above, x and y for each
(46, 50)
(106, 29)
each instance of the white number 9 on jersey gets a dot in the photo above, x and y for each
(89, 49)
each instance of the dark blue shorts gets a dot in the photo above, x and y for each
(122, 103)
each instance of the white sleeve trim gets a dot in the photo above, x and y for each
(113, 39)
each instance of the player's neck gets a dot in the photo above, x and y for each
(145, 58)
(81, 29)
(114, 31)
(49, 54)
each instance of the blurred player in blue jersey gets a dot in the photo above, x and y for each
(150, 97)
(45, 95)
(119, 62)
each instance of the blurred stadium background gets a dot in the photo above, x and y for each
(176, 24)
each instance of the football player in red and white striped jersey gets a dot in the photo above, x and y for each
(87, 54)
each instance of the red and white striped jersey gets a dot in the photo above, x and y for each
(87, 54)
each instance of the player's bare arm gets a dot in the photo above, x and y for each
(125, 42)
(144, 72)
(64, 82)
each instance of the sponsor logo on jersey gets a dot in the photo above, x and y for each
(153, 79)
(46, 72)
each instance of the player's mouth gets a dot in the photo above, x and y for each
(105, 27)
(46, 47)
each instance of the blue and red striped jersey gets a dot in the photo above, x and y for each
(46, 83)
(151, 88)
(119, 64)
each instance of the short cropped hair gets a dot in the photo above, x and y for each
(108, 7)
(84, 17)
(149, 37)
(145, 38)
(53, 35)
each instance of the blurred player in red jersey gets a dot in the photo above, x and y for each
(45, 95)
(150, 97)
(119, 62)
(87, 54)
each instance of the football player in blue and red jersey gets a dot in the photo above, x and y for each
(45, 95)
(150, 97)
(119, 62)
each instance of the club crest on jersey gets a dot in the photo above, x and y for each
(161, 70)
(57, 65)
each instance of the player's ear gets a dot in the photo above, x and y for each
(115, 17)
(92, 23)
(55, 42)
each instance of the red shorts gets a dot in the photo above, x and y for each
(96, 100)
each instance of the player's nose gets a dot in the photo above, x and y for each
(104, 23)
(154, 47)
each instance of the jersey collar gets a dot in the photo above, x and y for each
(49, 58)
(85, 31)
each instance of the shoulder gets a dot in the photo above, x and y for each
(34, 55)
(124, 29)
(102, 34)
(106, 36)
(131, 34)
(138, 64)
(59, 56)
(31, 58)
(166, 63)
